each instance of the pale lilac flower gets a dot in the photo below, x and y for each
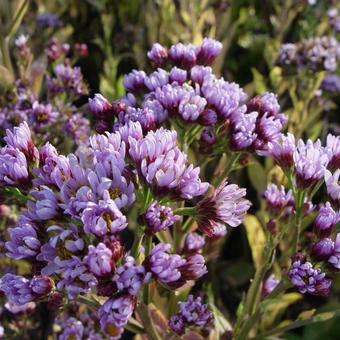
(307, 279)
(208, 137)
(333, 144)
(323, 249)
(325, 220)
(158, 54)
(159, 217)
(333, 186)
(178, 75)
(156, 79)
(243, 131)
(48, 20)
(183, 56)
(282, 151)
(331, 84)
(208, 51)
(310, 162)
(269, 284)
(16, 288)
(99, 105)
(194, 268)
(116, 312)
(20, 309)
(130, 276)
(41, 285)
(103, 218)
(191, 106)
(134, 81)
(334, 259)
(193, 243)
(72, 329)
(41, 115)
(78, 127)
(99, 259)
(277, 198)
(165, 267)
(226, 206)
(24, 241)
(200, 74)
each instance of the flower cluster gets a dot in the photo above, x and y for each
(192, 313)
(315, 53)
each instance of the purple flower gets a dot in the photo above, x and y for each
(243, 131)
(20, 138)
(200, 74)
(183, 56)
(158, 54)
(194, 268)
(192, 313)
(134, 81)
(42, 115)
(156, 79)
(19, 309)
(24, 241)
(159, 217)
(193, 243)
(72, 329)
(13, 167)
(41, 285)
(55, 49)
(310, 162)
(307, 279)
(16, 288)
(333, 144)
(116, 312)
(277, 199)
(208, 137)
(208, 51)
(177, 324)
(225, 98)
(333, 186)
(165, 267)
(99, 105)
(130, 276)
(322, 249)
(48, 20)
(331, 84)
(325, 220)
(99, 259)
(191, 106)
(264, 104)
(282, 151)
(225, 206)
(78, 127)
(269, 285)
(103, 218)
(164, 166)
(208, 117)
(334, 259)
(178, 75)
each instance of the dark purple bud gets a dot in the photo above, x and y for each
(322, 249)
(325, 221)
(208, 117)
(102, 127)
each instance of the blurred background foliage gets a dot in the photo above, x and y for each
(120, 32)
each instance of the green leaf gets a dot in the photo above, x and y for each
(257, 176)
(256, 238)
(259, 81)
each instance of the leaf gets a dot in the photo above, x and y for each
(259, 81)
(277, 307)
(257, 176)
(159, 321)
(256, 238)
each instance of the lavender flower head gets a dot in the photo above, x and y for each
(277, 198)
(16, 288)
(208, 51)
(130, 277)
(310, 162)
(158, 54)
(323, 249)
(308, 279)
(159, 217)
(333, 145)
(325, 220)
(269, 284)
(333, 186)
(226, 206)
(99, 259)
(42, 115)
(193, 243)
(192, 313)
(334, 259)
(165, 267)
(331, 84)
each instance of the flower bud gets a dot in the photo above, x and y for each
(322, 249)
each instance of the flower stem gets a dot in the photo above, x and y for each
(148, 324)
(185, 211)
(148, 246)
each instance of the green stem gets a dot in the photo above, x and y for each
(6, 58)
(298, 218)
(186, 211)
(148, 324)
(88, 302)
(228, 168)
(148, 246)
(134, 326)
